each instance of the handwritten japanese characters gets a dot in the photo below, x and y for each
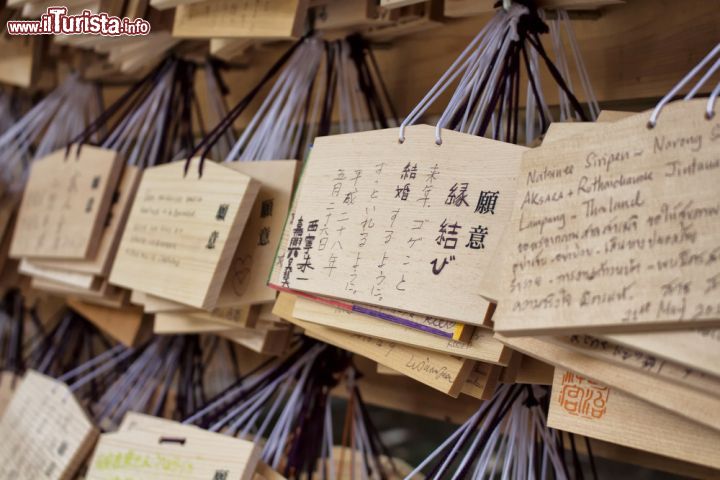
(409, 226)
(183, 231)
(617, 228)
(65, 204)
(113, 226)
(246, 281)
(45, 432)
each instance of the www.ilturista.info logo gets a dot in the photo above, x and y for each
(57, 21)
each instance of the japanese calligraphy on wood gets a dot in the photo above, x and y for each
(45, 433)
(65, 204)
(246, 280)
(102, 261)
(408, 226)
(183, 231)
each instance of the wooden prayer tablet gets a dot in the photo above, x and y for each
(65, 204)
(352, 14)
(73, 279)
(616, 229)
(125, 324)
(110, 238)
(105, 294)
(698, 349)
(180, 451)
(581, 406)
(273, 340)
(440, 371)
(408, 226)
(246, 317)
(179, 323)
(265, 472)
(183, 231)
(398, 3)
(246, 281)
(648, 364)
(45, 432)
(399, 392)
(482, 381)
(22, 63)
(482, 345)
(194, 322)
(8, 382)
(154, 304)
(8, 206)
(532, 371)
(266, 19)
(693, 404)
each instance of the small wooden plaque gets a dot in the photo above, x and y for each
(65, 203)
(169, 451)
(408, 226)
(617, 417)
(615, 229)
(249, 19)
(482, 346)
(45, 432)
(112, 231)
(246, 280)
(183, 231)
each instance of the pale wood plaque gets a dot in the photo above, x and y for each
(155, 449)
(408, 226)
(616, 229)
(247, 19)
(183, 231)
(45, 432)
(598, 411)
(65, 203)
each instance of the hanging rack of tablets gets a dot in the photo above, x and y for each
(359, 239)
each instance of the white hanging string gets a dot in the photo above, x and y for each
(288, 117)
(710, 110)
(471, 68)
(674, 91)
(275, 130)
(580, 66)
(445, 80)
(51, 124)
(562, 66)
(703, 80)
